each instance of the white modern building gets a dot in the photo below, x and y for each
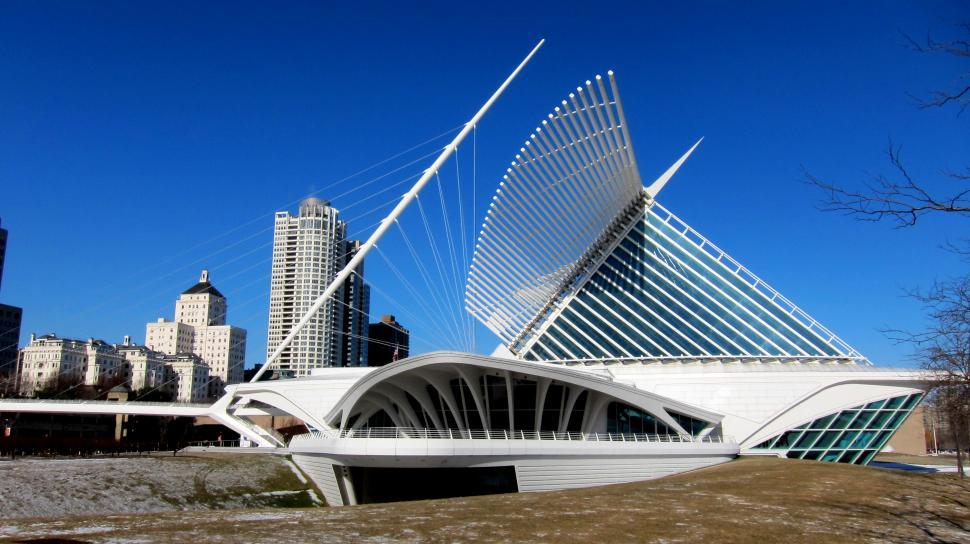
(200, 328)
(632, 347)
(308, 251)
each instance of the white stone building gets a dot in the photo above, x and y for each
(200, 328)
(308, 251)
(187, 377)
(63, 362)
(169, 336)
(145, 367)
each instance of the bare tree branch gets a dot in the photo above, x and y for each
(901, 199)
(957, 47)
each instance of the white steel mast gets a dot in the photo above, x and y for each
(392, 217)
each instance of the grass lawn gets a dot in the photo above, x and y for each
(748, 500)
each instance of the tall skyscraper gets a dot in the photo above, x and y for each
(3, 249)
(200, 328)
(356, 308)
(309, 250)
(389, 341)
(10, 319)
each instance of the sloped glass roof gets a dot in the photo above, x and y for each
(577, 260)
(659, 293)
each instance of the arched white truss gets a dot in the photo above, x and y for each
(448, 386)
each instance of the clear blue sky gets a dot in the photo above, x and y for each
(140, 141)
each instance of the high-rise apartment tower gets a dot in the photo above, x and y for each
(309, 249)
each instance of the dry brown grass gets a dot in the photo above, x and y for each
(749, 500)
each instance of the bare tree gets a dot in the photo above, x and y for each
(901, 196)
(943, 349)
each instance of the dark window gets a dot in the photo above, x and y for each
(691, 425)
(623, 418)
(576, 416)
(496, 399)
(552, 408)
(524, 404)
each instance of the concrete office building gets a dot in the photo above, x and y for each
(388, 341)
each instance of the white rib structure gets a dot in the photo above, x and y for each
(564, 188)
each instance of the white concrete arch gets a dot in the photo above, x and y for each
(439, 368)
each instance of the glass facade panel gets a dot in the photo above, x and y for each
(807, 440)
(912, 401)
(862, 419)
(678, 299)
(896, 420)
(691, 425)
(848, 457)
(552, 409)
(777, 324)
(895, 402)
(849, 436)
(822, 423)
(496, 401)
(828, 438)
(881, 419)
(623, 418)
(524, 404)
(764, 445)
(845, 440)
(862, 440)
(865, 457)
(881, 439)
(576, 418)
(788, 439)
(831, 456)
(843, 420)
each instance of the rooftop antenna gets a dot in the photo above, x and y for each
(392, 217)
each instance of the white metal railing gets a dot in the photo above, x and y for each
(216, 444)
(503, 434)
(270, 432)
(108, 402)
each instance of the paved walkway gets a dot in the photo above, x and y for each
(927, 469)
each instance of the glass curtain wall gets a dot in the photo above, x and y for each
(854, 435)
